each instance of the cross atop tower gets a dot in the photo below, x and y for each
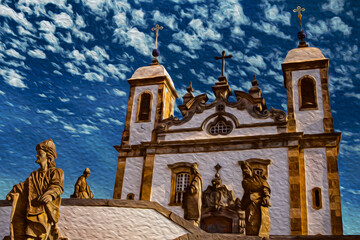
(299, 10)
(157, 28)
(223, 62)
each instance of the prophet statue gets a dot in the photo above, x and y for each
(82, 189)
(255, 202)
(193, 197)
(36, 201)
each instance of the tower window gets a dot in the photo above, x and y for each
(182, 181)
(307, 93)
(144, 107)
(316, 198)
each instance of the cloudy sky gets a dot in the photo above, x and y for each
(64, 65)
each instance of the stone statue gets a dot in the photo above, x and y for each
(36, 201)
(82, 189)
(192, 197)
(255, 202)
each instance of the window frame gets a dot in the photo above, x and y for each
(314, 198)
(177, 168)
(313, 80)
(139, 106)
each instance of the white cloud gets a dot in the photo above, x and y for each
(2, 93)
(138, 17)
(119, 93)
(117, 122)
(63, 20)
(47, 26)
(352, 94)
(12, 78)
(22, 31)
(83, 36)
(37, 54)
(98, 54)
(193, 42)
(204, 33)
(64, 99)
(256, 61)
(71, 68)
(75, 54)
(335, 6)
(15, 54)
(174, 48)
(39, 6)
(53, 117)
(168, 20)
(120, 19)
(5, 11)
(140, 41)
(228, 13)
(274, 14)
(338, 25)
(91, 76)
(79, 22)
(86, 129)
(91, 98)
(50, 38)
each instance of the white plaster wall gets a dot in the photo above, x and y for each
(132, 177)
(236, 132)
(141, 132)
(231, 175)
(4, 221)
(309, 121)
(242, 115)
(319, 221)
(80, 222)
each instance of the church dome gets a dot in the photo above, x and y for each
(303, 54)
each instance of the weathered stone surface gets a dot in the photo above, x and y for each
(303, 54)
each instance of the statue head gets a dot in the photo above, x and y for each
(246, 169)
(194, 168)
(216, 182)
(46, 150)
(87, 172)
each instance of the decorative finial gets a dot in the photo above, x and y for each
(156, 51)
(254, 81)
(301, 34)
(217, 168)
(190, 89)
(223, 63)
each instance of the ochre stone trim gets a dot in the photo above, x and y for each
(298, 214)
(153, 81)
(304, 65)
(281, 140)
(328, 120)
(119, 180)
(334, 190)
(180, 167)
(291, 124)
(147, 176)
(320, 140)
(126, 133)
(158, 110)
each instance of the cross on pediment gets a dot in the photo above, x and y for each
(223, 62)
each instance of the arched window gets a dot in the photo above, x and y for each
(307, 93)
(144, 107)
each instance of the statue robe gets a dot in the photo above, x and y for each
(193, 199)
(82, 189)
(32, 218)
(256, 215)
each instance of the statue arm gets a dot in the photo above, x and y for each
(18, 188)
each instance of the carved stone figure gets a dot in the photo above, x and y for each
(36, 201)
(192, 197)
(82, 189)
(255, 202)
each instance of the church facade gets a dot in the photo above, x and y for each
(295, 151)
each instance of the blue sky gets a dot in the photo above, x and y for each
(64, 65)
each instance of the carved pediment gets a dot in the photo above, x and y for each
(244, 102)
